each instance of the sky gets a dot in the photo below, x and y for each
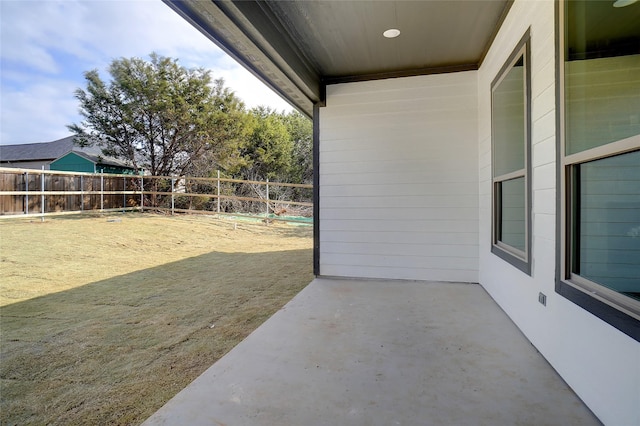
(47, 45)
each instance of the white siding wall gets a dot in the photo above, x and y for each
(600, 363)
(398, 179)
(28, 165)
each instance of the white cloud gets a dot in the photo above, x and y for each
(42, 39)
(48, 27)
(251, 90)
(38, 114)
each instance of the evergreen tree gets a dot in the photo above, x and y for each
(162, 117)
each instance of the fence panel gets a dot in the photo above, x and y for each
(25, 192)
(11, 204)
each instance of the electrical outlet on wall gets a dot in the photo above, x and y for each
(542, 298)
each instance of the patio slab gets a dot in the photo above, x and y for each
(356, 352)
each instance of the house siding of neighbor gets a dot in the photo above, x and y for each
(413, 182)
(81, 162)
(73, 162)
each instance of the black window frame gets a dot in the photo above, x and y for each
(518, 258)
(593, 297)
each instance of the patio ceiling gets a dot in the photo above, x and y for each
(296, 47)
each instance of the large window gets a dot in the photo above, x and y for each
(510, 147)
(600, 159)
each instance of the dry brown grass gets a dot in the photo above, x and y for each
(104, 319)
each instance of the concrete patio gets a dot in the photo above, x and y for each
(352, 352)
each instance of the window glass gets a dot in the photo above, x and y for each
(601, 229)
(602, 74)
(510, 155)
(608, 223)
(512, 226)
(602, 101)
(509, 121)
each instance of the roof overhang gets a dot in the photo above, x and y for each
(298, 47)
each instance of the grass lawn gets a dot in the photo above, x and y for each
(104, 319)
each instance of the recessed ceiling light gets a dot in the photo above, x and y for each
(623, 3)
(393, 33)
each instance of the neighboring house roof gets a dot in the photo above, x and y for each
(49, 151)
(99, 159)
(36, 151)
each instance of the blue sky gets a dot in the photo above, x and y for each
(46, 46)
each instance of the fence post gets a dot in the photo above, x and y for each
(124, 195)
(42, 194)
(101, 190)
(218, 192)
(81, 193)
(267, 201)
(26, 189)
(141, 193)
(173, 183)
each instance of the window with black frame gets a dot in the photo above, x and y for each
(510, 147)
(600, 155)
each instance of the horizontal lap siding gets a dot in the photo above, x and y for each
(597, 361)
(398, 179)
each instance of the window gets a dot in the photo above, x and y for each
(511, 165)
(600, 160)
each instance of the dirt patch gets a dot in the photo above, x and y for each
(104, 319)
